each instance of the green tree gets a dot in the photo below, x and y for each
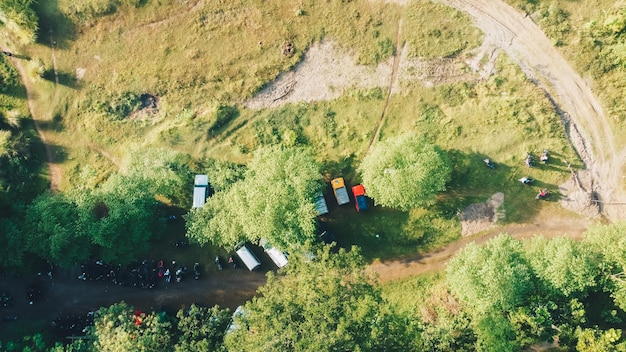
(52, 233)
(596, 340)
(120, 217)
(610, 242)
(223, 174)
(564, 265)
(161, 171)
(495, 333)
(405, 172)
(324, 303)
(121, 328)
(495, 276)
(12, 242)
(451, 331)
(275, 200)
(202, 329)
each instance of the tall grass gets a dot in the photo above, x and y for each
(433, 30)
(419, 286)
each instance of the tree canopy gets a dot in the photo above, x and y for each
(496, 275)
(520, 294)
(405, 172)
(113, 221)
(327, 303)
(274, 200)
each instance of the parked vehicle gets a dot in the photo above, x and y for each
(200, 190)
(341, 193)
(247, 257)
(544, 156)
(529, 160)
(239, 313)
(320, 204)
(542, 194)
(327, 237)
(279, 258)
(233, 261)
(360, 198)
(526, 180)
(196, 271)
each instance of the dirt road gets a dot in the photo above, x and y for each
(65, 294)
(582, 114)
(53, 168)
(543, 225)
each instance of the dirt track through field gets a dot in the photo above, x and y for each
(53, 168)
(583, 116)
(392, 82)
(543, 225)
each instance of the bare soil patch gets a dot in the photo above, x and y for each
(479, 217)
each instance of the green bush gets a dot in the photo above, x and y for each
(9, 79)
(121, 106)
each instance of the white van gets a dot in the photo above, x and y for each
(279, 258)
(247, 257)
(239, 312)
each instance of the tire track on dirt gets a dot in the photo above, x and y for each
(581, 111)
(392, 80)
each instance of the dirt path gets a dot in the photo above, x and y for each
(65, 294)
(53, 168)
(584, 119)
(392, 81)
(411, 266)
(105, 154)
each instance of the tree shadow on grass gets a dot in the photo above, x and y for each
(18, 92)
(65, 78)
(340, 168)
(55, 28)
(55, 124)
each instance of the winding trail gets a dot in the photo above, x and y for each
(402, 268)
(582, 115)
(53, 168)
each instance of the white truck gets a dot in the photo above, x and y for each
(247, 257)
(200, 190)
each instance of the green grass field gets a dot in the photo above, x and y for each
(202, 59)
